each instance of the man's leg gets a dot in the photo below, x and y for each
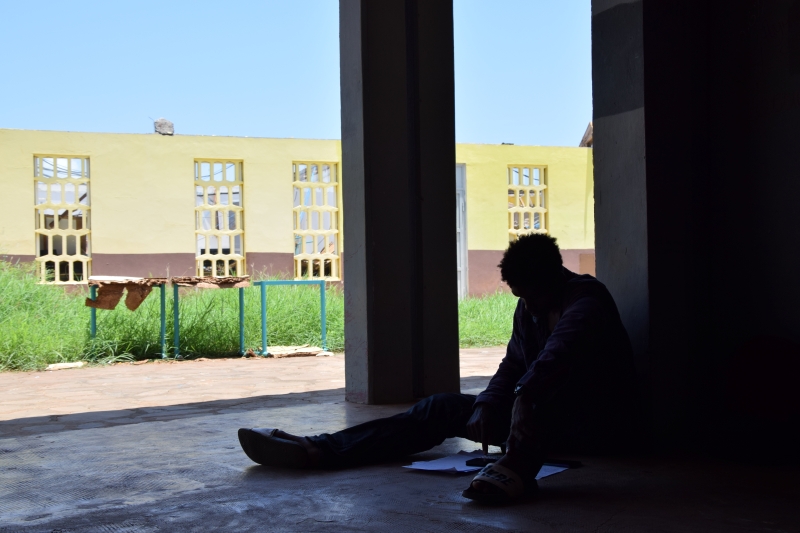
(569, 417)
(427, 424)
(529, 438)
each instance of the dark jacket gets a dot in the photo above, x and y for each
(585, 365)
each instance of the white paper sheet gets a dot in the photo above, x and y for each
(451, 463)
(458, 464)
(549, 470)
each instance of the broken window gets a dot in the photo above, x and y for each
(527, 200)
(61, 212)
(219, 218)
(316, 220)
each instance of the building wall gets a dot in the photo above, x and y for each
(571, 205)
(142, 195)
(142, 201)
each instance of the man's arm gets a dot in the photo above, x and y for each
(578, 327)
(500, 391)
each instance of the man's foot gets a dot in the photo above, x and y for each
(312, 451)
(273, 447)
(494, 492)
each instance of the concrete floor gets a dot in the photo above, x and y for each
(153, 447)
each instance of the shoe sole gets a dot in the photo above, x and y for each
(498, 498)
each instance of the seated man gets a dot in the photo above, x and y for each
(566, 382)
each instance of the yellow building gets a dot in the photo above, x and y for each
(84, 204)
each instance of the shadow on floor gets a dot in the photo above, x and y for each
(38, 425)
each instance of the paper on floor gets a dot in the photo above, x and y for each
(451, 463)
(457, 464)
(549, 470)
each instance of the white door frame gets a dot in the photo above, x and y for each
(462, 264)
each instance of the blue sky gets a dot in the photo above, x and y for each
(268, 68)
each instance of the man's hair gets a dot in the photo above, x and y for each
(531, 260)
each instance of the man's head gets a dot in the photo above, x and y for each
(532, 268)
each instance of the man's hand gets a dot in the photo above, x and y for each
(481, 425)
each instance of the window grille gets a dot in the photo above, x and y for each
(219, 218)
(62, 219)
(527, 200)
(316, 220)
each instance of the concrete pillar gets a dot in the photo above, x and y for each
(398, 185)
(695, 104)
(621, 252)
(650, 179)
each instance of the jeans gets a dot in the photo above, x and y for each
(425, 425)
(570, 422)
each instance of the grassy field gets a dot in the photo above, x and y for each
(41, 324)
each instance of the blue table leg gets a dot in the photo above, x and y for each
(176, 320)
(163, 337)
(241, 321)
(263, 319)
(323, 313)
(93, 312)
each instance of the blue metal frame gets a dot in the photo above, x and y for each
(176, 314)
(322, 311)
(163, 321)
(163, 333)
(93, 311)
(176, 320)
(241, 320)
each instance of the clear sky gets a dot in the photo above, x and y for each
(270, 68)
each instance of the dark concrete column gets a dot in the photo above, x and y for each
(649, 89)
(695, 105)
(619, 163)
(398, 184)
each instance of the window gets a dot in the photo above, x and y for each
(219, 218)
(316, 221)
(61, 205)
(527, 200)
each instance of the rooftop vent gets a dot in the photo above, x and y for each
(164, 127)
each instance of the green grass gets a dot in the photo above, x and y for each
(44, 324)
(486, 321)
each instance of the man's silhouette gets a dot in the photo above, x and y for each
(566, 383)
